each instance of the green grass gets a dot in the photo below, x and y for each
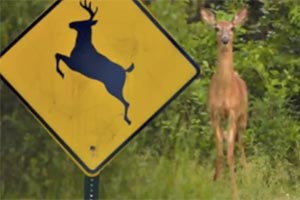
(145, 176)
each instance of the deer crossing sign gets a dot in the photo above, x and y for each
(94, 74)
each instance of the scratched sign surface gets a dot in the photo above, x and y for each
(94, 74)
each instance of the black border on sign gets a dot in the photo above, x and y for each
(93, 172)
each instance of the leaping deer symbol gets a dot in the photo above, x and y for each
(86, 60)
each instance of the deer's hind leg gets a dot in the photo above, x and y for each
(116, 90)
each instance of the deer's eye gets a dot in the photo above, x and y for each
(232, 28)
(217, 28)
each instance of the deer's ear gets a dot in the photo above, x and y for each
(240, 17)
(208, 16)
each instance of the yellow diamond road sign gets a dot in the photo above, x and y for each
(94, 73)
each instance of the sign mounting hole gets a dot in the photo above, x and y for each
(92, 148)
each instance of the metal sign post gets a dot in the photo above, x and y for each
(91, 188)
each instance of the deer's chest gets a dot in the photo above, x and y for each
(224, 97)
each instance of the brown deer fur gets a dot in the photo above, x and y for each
(227, 98)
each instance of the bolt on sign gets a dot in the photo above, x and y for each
(94, 74)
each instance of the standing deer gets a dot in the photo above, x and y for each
(228, 99)
(86, 60)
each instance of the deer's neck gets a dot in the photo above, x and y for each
(84, 38)
(224, 71)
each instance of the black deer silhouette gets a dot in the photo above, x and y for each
(86, 60)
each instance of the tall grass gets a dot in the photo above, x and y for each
(146, 176)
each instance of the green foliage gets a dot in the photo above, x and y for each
(173, 157)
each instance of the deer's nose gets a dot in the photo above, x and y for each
(225, 40)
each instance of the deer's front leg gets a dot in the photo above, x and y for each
(219, 142)
(66, 60)
(230, 153)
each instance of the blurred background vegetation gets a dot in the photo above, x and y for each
(173, 157)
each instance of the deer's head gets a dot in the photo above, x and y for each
(85, 24)
(224, 29)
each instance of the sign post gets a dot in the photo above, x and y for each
(91, 187)
(94, 74)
